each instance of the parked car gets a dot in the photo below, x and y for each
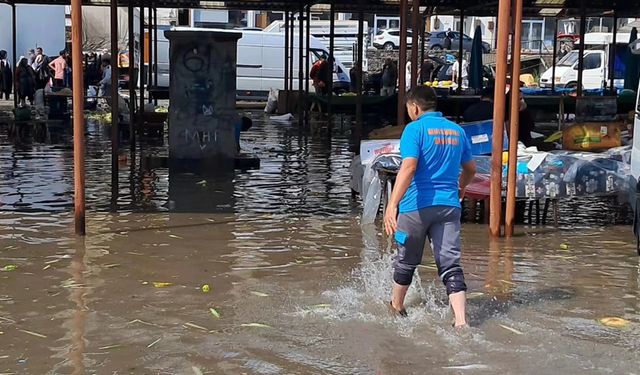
(436, 42)
(389, 39)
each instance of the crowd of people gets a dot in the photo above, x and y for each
(37, 71)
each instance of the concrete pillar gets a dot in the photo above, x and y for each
(203, 94)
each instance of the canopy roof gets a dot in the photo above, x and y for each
(540, 8)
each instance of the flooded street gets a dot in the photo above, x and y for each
(296, 284)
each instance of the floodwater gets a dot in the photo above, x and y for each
(298, 285)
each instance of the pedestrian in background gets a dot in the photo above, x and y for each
(59, 67)
(6, 76)
(389, 78)
(26, 82)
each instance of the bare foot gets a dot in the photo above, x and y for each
(397, 312)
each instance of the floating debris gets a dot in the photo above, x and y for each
(191, 325)
(36, 334)
(511, 329)
(153, 343)
(467, 367)
(255, 325)
(205, 288)
(160, 284)
(109, 347)
(614, 322)
(202, 183)
(9, 268)
(564, 246)
(214, 312)
(259, 294)
(473, 295)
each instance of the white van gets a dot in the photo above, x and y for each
(595, 74)
(260, 65)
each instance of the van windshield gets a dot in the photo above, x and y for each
(569, 59)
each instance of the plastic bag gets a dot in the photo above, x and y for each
(272, 102)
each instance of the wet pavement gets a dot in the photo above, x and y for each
(296, 285)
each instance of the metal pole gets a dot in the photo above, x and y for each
(308, 51)
(332, 47)
(286, 52)
(402, 62)
(514, 120)
(155, 47)
(555, 57)
(502, 49)
(15, 54)
(292, 49)
(132, 87)
(301, 98)
(612, 57)
(141, 64)
(78, 116)
(422, 41)
(414, 42)
(460, 50)
(359, 75)
(114, 104)
(150, 27)
(583, 30)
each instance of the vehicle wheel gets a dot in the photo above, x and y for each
(388, 46)
(572, 85)
(436, 48)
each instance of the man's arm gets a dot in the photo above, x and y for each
(468, 171)
(403, 180)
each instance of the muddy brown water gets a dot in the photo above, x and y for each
(299, 286)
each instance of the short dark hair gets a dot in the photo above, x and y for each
(63, 52)
(424, 97)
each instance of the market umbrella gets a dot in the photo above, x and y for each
(631, 65)
(475, 65)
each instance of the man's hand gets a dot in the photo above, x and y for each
(390, 220)
(461, 193)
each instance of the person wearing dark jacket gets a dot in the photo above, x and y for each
(389, 78)
(6, 76)
(26, 82)
(482, 110)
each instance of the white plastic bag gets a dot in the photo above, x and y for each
(272, 102)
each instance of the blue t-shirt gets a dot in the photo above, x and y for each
(441, 147)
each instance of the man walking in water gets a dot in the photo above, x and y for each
(427, 196)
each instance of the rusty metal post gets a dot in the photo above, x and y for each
(583, 30)
(612, 56)
(555, 57)
(114, 104)
(402, 63)
(143, 77)
(78, 116)
(15, 53)
(132, 87)
(286, 52)
(514, 122)
(415, 20)
(359, 75)
(502, 49)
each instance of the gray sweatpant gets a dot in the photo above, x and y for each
(441, 225)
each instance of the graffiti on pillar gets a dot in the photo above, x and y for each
(201, 138)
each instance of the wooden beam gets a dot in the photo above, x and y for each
(115, 112)
(415, 20)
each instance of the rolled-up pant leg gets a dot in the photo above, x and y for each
(410, 237)
(444, 233)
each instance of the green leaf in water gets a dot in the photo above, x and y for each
(9, 268)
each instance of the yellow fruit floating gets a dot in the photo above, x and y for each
(614, 322)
